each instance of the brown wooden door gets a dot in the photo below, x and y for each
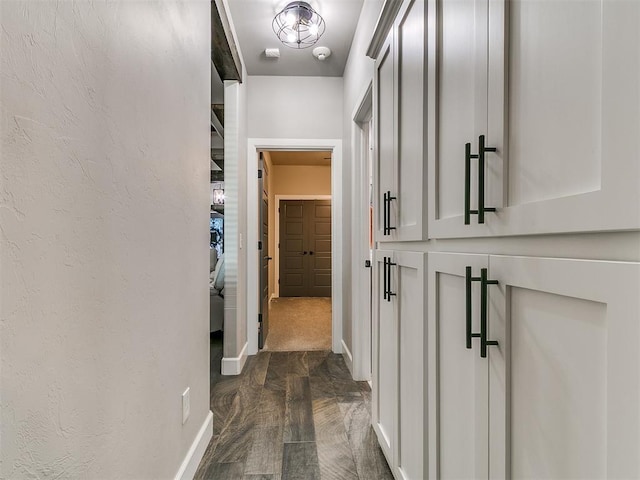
(319, 243)
(305, 248)
(263, 318)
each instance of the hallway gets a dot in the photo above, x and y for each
(292, 415)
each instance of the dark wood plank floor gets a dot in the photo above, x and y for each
(289, 416)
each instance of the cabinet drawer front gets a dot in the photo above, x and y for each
(564, 379)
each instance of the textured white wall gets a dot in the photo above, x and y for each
(294, 107)
(104, 241)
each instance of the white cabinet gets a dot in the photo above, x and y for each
(557, 99)
(558, 393)
(457, 386)
(400, 94)
(398, 409)
(385, 359)
(384, 125)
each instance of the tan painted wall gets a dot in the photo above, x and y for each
(291, 180)
(303, 180)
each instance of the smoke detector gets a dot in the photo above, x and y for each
(321, 53)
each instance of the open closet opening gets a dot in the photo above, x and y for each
(216, 227)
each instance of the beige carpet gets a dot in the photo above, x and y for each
(299, 324)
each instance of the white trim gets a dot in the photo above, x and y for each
(348, 357)
(361, 308)
(234, 365)
(253, 289)
(276, 258)
(383, 26)
(191, 461)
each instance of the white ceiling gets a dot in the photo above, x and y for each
(322, 159)
(252, 20)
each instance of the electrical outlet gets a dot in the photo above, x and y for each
(186, 406)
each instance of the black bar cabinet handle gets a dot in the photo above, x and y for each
(484, 282)
(389, 227)
(467, 183)
(384, 278)
(482, 149)
(468, 279)
(389, 292)
(384, 214)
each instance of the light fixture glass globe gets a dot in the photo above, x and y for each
(298, 25)
(290, 19)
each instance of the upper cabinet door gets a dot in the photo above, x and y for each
(408, 210)
(457, 96)
(384, 124)
(560, 125)
(400, 103)
(564, 377)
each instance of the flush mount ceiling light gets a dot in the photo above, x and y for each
(298, 25)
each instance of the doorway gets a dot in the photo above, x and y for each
(291, 178)
(362, 240)
(298, 308)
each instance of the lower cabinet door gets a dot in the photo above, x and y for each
(399, 402)
(385, 361)
(564, 377)
(457, 376)
(408, 282)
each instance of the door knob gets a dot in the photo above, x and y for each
(311, 253)
(303, 253)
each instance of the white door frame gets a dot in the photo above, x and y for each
(276, 258)
(253, 286)
(361, 305)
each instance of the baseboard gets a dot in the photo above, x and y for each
(234, 365)
(348, 358)
(196, 452)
